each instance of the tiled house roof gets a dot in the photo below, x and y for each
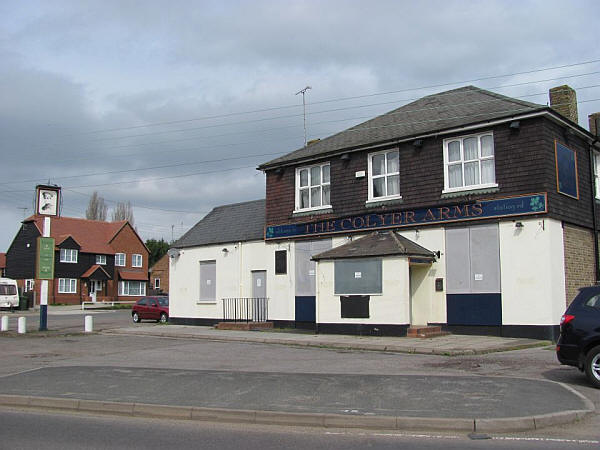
(93, 236)
(378, 243)
(430, 114)
(228, 223)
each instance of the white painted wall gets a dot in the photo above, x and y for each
(234, 278)
(392, 307)
(532, 272)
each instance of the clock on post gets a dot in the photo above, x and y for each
(47, 200)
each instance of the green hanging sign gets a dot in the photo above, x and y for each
(45, 260)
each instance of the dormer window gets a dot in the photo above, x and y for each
(68, 255)
(313, 187)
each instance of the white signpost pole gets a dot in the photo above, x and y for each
(44, 286)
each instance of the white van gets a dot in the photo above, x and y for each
(9, 294)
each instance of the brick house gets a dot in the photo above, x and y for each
(159, 276)
(2, 264)
(465, 209)
(94, 260)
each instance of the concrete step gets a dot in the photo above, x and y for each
(425, 332)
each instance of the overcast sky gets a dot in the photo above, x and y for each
(171, 105)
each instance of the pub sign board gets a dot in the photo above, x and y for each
(45, 260)
(483, 209)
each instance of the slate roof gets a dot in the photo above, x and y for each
(378, 243)
(433, 113)
(93, 236)
(229, 223)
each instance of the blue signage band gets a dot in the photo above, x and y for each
(483, 209)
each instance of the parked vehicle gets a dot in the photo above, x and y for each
(579, 341)
(153, 308)
(9, 293)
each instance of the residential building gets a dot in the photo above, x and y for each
(93, 260)
(2, 264)
(465, 209)
(159, 276)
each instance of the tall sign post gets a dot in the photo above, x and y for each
(47, 205)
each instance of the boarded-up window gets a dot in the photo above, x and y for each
(280, 262)
(208, 278)
(566, 171)
(354, 307)
(473, 260)
(358, 276)
(305, 267)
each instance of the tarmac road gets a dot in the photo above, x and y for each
(112, 361)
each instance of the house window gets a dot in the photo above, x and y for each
(384, 175)
(120, 259)
(29, 285)
(313, 187)
(136, 260)
(101, 259)
(132, 288)
(67, 286)
(358, 276)
(157, 283)
(208, 277)
(469, 163)
(68, 255)
(280, 262)
(597, 173)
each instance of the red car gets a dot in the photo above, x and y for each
(153, 308)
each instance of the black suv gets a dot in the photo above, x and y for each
(579, 341)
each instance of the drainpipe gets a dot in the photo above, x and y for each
(594, 221)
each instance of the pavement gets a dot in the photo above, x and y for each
(393, 402)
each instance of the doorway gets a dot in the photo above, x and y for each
(420, 295)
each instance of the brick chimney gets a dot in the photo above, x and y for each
(563, 99)
(594, 123)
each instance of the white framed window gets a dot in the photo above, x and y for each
(469, 162)
(29, 285)
(68, 255)
(384, 175)
(136, 260)
(101, 259)
(132, 288)
(157, 283)
(313, 187)
(67, 285)
(120, 259)
(597, 173)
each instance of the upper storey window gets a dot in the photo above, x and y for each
(384, 175)
(469, 163)
(68, 255)
(313, 187)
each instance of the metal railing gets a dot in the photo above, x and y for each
(245, 309)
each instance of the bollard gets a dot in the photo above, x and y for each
(89, 324)
(4, 323)
(22, 325)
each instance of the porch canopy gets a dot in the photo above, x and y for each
(133, 276)
(96, 273)
(380, 243)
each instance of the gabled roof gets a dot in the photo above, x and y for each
(96, 272)
(92, 235)
(228, 223)
(378, 243)
(433, 113)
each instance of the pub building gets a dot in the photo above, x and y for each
(464, 210)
